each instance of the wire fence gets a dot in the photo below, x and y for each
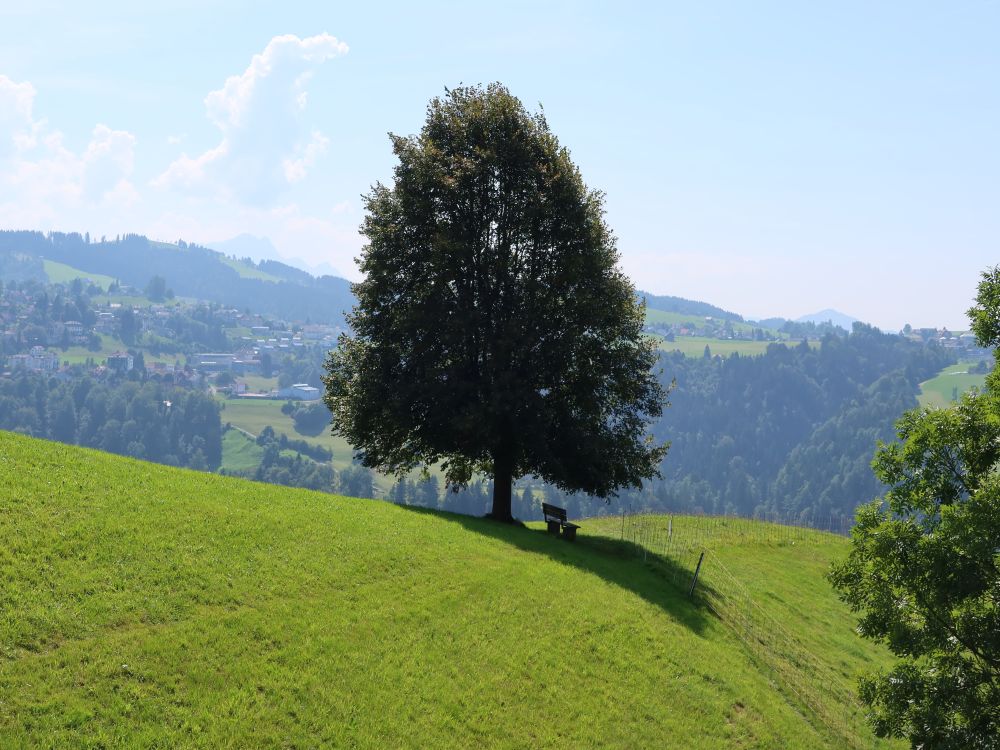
(687, 542)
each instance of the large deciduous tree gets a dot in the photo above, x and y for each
(494, 332)
(924, 568)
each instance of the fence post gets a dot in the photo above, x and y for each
(697, 569)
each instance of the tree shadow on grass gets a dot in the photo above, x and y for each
(618, 562)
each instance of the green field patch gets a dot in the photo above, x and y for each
(952, 381)
(248, 271)
(77, 355)
(253, 415)
(259, 384)
(664, 317)
(150, 606)
(240, 452)
(60, 273)
(694, 346)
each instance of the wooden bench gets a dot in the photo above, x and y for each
(555, 518)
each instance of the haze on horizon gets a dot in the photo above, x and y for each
(773, 159)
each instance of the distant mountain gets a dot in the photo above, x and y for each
(686, 306)
(837, 318)
(261, 248)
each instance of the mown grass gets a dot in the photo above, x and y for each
(145, 606)
(937, 392)
(763, 578)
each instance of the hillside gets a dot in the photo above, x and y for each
(150, 606)
(191, 271)
(211, 274)
(950, 383)
(670, 304)
(836, 317)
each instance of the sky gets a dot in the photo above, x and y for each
(770, 158)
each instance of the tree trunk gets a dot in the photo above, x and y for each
(502, 479)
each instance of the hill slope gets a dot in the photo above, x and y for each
(148, 606)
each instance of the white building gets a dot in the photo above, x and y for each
(300, 392)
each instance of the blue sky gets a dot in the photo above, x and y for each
(772, 158)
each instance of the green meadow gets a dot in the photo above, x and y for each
(60, 273)
(248, 271)
(239, 452)
(253, 415)
(654, 317)
(939, 390)
(694, 346)
(146, 606)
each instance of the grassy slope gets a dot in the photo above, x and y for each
(60, 273)
(246, 271)
(654, 316)
(936, 392)
(254, 415)
(148, 606)
(694, 346)
(239, 452)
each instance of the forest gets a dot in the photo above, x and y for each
(152, 420)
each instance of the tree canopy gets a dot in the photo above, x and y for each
(494, 331)
(924, 569)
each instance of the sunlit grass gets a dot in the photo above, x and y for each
(952, 380)
(148, 606)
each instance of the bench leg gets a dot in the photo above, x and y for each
(553, 527)
(569, 533)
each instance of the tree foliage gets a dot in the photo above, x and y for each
(494, 331)
(152, 421)
(924, 569)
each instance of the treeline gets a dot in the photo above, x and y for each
(283, 463)
(790, 432)
(151, 421)
(668, 303)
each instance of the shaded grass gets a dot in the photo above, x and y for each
(142, 605)
(770, 581)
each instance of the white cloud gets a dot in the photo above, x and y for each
(265, 145)
(229, 189)
(296, 168)
(41, 180)
(108, 161)
(16, 101)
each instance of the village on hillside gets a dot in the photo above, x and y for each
(67, 330)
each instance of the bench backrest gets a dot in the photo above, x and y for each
(554, 512)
